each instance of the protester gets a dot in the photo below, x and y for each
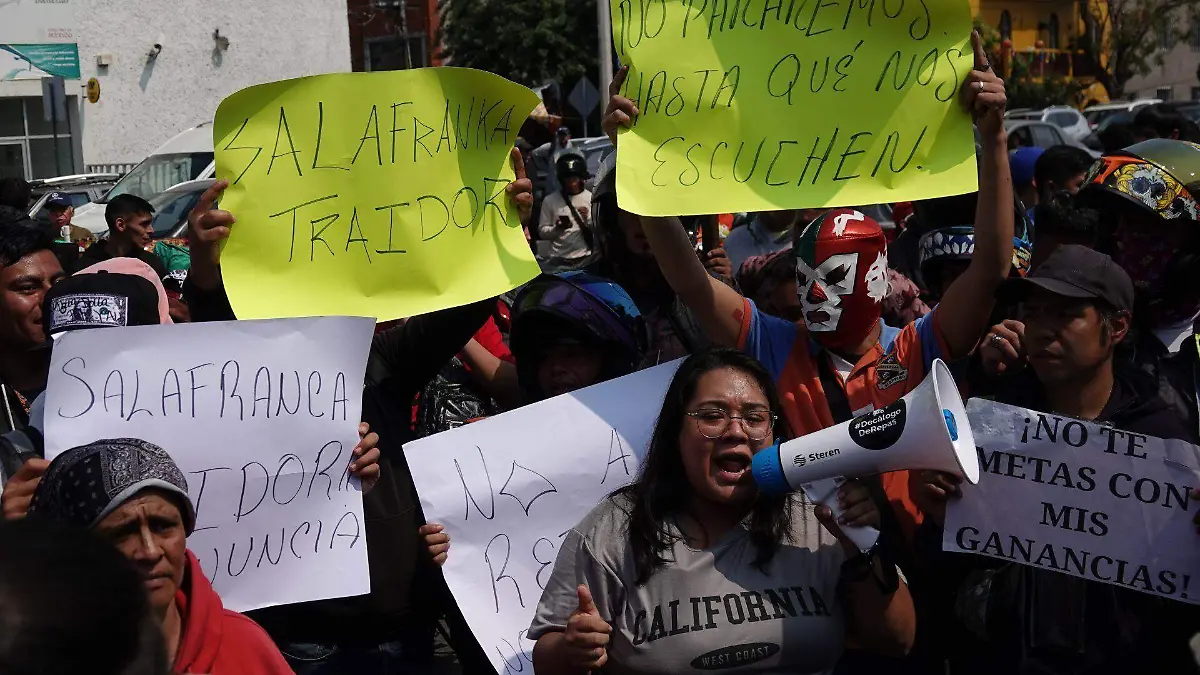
(625, 258)
(1061, 222)
(392, 628)
(848, 361)
(545, 160)
(570, 330)
(1075, 314)
(1146, 195)
(1023, 163)
(28, 268)
(1059, 169)
(133, 494)
(130, 220)
(693, 525)
(15, 194)
(945, 253)
(1161, 120)
(70, 603)
(565, 219)
(60, 210)
(767, 232)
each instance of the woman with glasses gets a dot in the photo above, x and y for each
(691, 567)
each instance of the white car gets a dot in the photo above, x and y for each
(186, 157)
(1072, 122)
(1098, 113)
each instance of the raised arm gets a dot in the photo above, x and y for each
(967, 305)
(717, 307)
(495, 376)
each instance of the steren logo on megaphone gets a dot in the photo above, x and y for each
(879, 429)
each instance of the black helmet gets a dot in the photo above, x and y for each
(571, 165)
(1160, 176)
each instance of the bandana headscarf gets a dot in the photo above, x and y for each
(85, 484)
(841, 276)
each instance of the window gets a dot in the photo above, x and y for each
(1196, 93)
(1062, 119)
(159, 172)
(27, 144)
(1053, 28)
(1045, 136)
(1165, 93)
(1020, 138)
(395, 53)
(1195, 37)
(1005, 25)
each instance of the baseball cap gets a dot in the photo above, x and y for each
(1022, 162)
(99, 300)
(1077, 272)
(563, 131)
(58, 199)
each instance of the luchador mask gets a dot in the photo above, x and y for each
(841, 276)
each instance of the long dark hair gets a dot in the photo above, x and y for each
(662, 489)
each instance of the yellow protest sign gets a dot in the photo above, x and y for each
(750, 105)
(374, 194)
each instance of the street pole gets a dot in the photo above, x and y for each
(604, 21)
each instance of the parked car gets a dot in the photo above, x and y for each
(80, 188)
(171, 207)
(1097, 114)
(1023, 133)
(185, 157)
(1072, 122)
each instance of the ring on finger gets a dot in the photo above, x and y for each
(995, 339)
(987, 65)
(979, 86)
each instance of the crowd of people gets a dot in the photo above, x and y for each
(1064, 285)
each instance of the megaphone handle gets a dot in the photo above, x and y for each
(824, 492)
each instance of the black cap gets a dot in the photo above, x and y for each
(99, 300)
(1077, 272)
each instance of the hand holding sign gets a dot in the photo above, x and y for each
(436, 541)
(620, 111)
(983, 94)
(587, 635)
(365, 465)
(208, 228)
(931, 491)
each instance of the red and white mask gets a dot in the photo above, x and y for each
(841, 276)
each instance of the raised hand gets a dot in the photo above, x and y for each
(983, 93)
(207, 228)
(520, 191)
(18, 491)
(620, 111)
(587, 634)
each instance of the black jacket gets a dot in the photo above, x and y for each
(1039, 622)
(407, 591)
(98, 252)
(1176, 374)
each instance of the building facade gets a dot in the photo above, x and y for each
(1177, 78)
(161, 67)
(393, 34)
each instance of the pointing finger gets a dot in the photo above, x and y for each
(981, 59)
(210, 197)
(618, 81)
(518, 163)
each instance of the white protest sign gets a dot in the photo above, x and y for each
(507, 489)
(1080, 498)
(261, 417)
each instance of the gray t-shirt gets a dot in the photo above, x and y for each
(709, 610)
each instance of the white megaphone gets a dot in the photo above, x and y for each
(927, 429)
